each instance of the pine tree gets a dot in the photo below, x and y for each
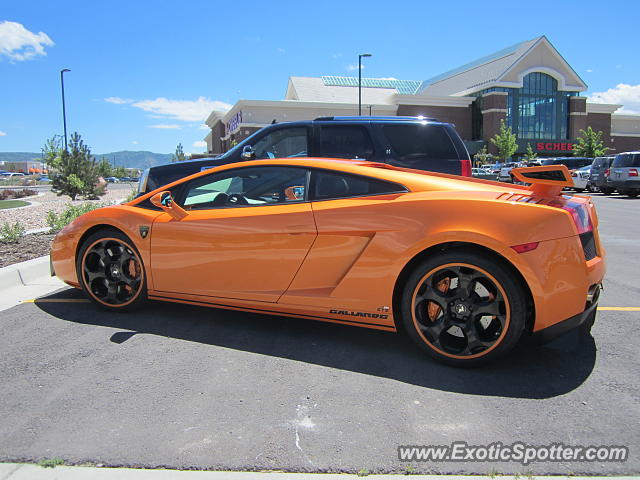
(530, 154)
(76, 171)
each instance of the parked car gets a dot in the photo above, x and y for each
(112, 180)
(482, 173)
(572, 163)
(353, 242)
(624, 175)
(13, 174)
(410, 142)
(505, 172)
(44, 179)
(580, 179)
(600, 181)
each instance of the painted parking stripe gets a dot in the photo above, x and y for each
(620, 309)
(56, 300)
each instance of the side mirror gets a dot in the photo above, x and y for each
(248, 153)
(164, 200)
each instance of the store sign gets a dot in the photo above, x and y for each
(555, 146)
(234, 123)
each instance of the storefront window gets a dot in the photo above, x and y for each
(538, 110)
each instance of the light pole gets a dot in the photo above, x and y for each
(360, 81)
(64, 113)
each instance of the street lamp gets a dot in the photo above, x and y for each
(360, 81)
(64, 114)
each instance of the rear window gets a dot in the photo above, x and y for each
(627, 160)
(602, 162)
(419, 142)
(571, 163)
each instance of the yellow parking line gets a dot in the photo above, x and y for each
(56, 300)
(621, 309)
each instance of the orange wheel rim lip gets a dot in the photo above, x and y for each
(142, 272)
(505, 327)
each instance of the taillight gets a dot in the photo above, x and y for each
(466, 168)
(606, 172)
(633, 172)
(579, 213)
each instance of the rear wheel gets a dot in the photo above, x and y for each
(463, 309)
(111, 271)
(632, 193)
(606, 190)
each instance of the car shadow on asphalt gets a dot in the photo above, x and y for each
(529, 371)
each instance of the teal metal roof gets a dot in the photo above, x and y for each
(405, 87)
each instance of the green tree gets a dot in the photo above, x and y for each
(590, 144)
(51, 151)
(76, 171)
(505, 141)
(104, 168)
(530, 154)
(482, 157)
(119, 172)
(179, 156)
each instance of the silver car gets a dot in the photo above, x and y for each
(599, 176)
(625, 173)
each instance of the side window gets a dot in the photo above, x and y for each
(411, 143)
(252, 186)
(283, 143)
(345, 141)
(328, 185)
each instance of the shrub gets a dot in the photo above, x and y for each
(11, 233)
(57, 221)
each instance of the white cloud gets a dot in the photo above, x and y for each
(336, 55)
(3, 134)
(118, 100)
(623, 94)
(166, 126)
(18, 43)
(183, 110)
(589, 70)
(200, 144)
(354, 66)
(135, 142)
(204, 126)
(280, 50)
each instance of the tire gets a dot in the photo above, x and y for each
(579, 190)
(632, 193)
(606, 190)
(111, 272)
(445, 323)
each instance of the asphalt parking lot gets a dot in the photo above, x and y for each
(190, 387)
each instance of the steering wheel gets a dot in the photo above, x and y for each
(237, 199)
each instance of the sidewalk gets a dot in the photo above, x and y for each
(17, 471)
(26, 280)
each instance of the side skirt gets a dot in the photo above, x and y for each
(154, 296)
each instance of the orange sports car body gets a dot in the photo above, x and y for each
(466, 266)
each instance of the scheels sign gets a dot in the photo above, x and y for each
(554, 146)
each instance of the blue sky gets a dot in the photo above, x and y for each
(146, 74)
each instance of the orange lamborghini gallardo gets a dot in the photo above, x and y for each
(465, 267)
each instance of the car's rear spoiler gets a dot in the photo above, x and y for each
(548, 180)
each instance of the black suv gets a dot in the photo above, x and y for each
(410, 142)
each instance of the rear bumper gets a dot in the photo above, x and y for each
(625, 184)
(585, 318)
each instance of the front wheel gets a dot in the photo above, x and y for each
(606, 190)
(463, 308)
(111, 271)
(632, 193)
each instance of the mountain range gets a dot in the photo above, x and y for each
(125, 158)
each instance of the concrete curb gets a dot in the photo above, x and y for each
(18, 471)
(23, 273)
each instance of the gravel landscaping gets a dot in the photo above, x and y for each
(33, 217)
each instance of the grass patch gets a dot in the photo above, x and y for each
(50, 462)
(4, 204)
